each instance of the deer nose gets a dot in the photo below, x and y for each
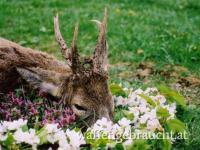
(103, 112)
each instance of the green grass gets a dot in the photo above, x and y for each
(166, 30)
(191, 117)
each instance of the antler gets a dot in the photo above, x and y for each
(100, 59)
(74, 55)
(71, 55)
(63, 46)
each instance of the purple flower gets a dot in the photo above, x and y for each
(41, 106)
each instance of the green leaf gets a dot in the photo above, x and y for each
(128, 115)
(37, 123)
(139, 144)
(76, 129)
(176, 125)
(24, 128)
(117, 90)
(118, 146)
(148, 99)
(172, 95)
(118, 115)
(162, 112)
(18, 92)
(9, 141)
(42, 133)
(166, 144)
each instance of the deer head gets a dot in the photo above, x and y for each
(85, 89)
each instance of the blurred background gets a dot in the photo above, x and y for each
(150, 41)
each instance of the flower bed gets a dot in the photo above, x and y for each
(144, 119)
(36, 108)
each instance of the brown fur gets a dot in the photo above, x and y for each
(13, 55)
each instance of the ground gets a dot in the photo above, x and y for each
(150, 41)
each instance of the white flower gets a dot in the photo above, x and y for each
(51, 138)
(62, 140)
(147, 115)
(34, 147)
(134, 110)
(75, 138)
(153, 125)
(63, 145)
(115, 129)
(13, 125)
(121, 101)
(60, 135)
(28, 137)
(171, 109)
(3, 137)
(51, 128)
(143, 108)
(143, 119)
(57, 135)
(138, 91)
(127, 131)
(1, 129)
(149, 91)
(103, 125)
(152, 114)
(125, 125)
(33, 139)
(128, 142)
(132, 96)
(160, 98)
(133, 99)
(124, 122)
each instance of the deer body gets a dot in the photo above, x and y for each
(13, 56)
(85, 89)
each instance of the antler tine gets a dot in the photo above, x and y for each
(74, 54)
(60, 40)
(104, 23)
(105, 16)
(100, 53)
(73, 46)
(98, 23)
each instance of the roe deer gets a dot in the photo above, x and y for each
(80, 83)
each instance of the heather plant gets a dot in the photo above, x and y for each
(37, 107)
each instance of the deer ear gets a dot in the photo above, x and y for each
(37, 81)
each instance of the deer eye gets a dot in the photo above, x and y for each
(78, 107)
